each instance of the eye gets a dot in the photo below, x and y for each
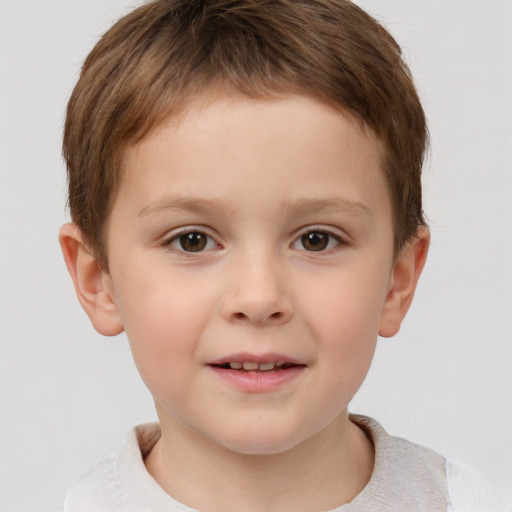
(192, 241)
(317, 241)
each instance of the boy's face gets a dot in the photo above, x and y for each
(257, 233)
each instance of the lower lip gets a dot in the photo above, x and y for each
(259, 382)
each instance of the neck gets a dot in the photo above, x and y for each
(322, 473)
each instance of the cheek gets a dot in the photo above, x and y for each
(346, 306)
(163, 320)
(344, 320)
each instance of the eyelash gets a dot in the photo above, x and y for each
(205, 242)
(326, 236)
(181, 237)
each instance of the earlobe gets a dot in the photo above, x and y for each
(404, 278)
(93, 286)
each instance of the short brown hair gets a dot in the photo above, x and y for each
(154, 61)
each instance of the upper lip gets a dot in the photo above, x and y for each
(257, 358)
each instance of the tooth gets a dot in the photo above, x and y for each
(266, 366)
(250, 365)
(235, 365)
(280, 363)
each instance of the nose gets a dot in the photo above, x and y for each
(257, 293)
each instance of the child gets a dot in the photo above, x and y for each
(244, 184)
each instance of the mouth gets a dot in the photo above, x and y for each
(256, 367)
(251, 373)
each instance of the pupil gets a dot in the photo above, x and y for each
(193, 242)
(315, 241)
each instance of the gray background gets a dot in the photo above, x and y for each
(68, 396)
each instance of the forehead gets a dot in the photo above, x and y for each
(292, 143)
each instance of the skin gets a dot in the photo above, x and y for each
(252, 181)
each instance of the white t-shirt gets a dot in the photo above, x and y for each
(406, 477)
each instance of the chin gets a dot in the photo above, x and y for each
(259, 443)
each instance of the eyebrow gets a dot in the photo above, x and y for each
(188, 204)
(328, 205)
(221, 207)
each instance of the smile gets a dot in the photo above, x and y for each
(258, 373)
(253, 366)
(251, 373)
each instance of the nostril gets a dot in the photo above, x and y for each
(278, 315)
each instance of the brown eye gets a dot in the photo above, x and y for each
(194, 241)
(191, 241)
(315, 241)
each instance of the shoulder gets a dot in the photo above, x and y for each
(469, 491)
(95, 490)
(408, 476)
(122, 483)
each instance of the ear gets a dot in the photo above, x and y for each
(93, 286)
(402, 285)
